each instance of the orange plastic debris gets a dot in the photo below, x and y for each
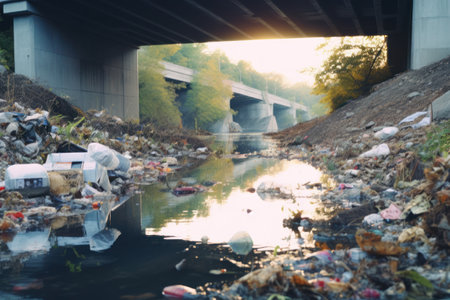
(372, 244)
(299, 280)
(443, 196)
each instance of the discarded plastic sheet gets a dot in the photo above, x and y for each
(103, 155)
(417, 206)
(178, 291)
(68, 147)
(41, 211)
(345, 186)
(393, 212)
(413, 234)
(31, 241)
(424, 122)
(241, 243)
(95, 220)
(377, 151)
(323, 256)
(261, 277)
(104, 239)
(386, 133)
(412, 117)
(373, 220)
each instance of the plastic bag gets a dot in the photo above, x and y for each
(377, 151)
(104, 239)
(412, 117)
(424, 122)
(103, 155)
(386, 133)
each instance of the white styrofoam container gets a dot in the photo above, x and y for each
(28, 179)
(92, 171)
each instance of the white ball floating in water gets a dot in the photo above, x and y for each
(241, 243)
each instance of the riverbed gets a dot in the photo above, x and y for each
(168, 239)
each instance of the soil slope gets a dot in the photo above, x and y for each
(387, 104)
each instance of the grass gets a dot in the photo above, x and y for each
(438, 142)
(329, 163)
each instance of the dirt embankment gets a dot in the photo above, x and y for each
(19, 89)
(387, 104)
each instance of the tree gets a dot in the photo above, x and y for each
(190, 56)
(207, 99)
(156, 96)
(353, 67)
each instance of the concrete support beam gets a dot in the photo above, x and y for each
(256, 117)
(398, 46)
(430, 38)
(90, 72)
(286, 117)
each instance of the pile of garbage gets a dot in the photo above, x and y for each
(387, 236)
(60, 180)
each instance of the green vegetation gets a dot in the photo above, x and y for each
(352, 68)
(207, 99)
(156, 95)
(67, 131)
(438, 142)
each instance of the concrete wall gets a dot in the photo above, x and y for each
(430, 41)
(285, 116)
(256, 117)
(90, 72)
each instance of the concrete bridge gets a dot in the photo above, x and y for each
(256, 110)
(87, 50)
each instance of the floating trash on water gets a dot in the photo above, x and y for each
(178, 292)
(241, 243)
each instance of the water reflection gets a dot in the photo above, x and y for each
(241, 142)
(228, 207)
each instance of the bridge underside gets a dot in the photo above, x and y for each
(87, 49)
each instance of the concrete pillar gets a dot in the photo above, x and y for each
(90, 72)
(398, 46)
(286, 117)
(430, 41)
(256, 117)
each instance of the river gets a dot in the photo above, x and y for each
(161, 231)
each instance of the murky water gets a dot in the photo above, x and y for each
(160, 229)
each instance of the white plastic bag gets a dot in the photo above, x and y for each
(386, 133)
(103, 155)
(412, 117)
(424, 122)
(104, 239)
(377, 151)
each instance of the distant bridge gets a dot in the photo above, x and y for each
(257, 110)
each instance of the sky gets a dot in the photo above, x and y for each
(286, 56)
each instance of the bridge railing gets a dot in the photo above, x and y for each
(180, 73)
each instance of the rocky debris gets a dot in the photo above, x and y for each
(384, 232)
(388, 102)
